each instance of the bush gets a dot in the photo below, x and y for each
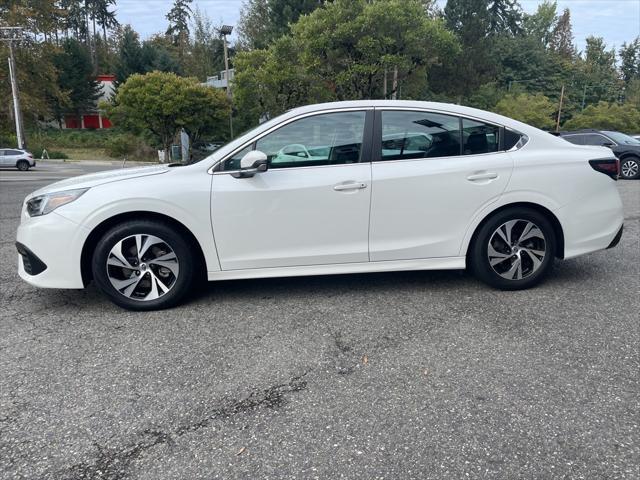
(37, 153)
(8, 139)
(130, 146)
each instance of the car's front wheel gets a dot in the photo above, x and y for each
(514, 249)
(630, 168)
(23, 165)
(144, 265)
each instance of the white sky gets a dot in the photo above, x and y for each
(615, 20)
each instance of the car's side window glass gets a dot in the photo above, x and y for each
(511, 139)
(595, 140)
(575, 139)
(1, 153)
(409, 135)
(233, 163)
(479, 137)
(325, 139)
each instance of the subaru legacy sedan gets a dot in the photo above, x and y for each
(349, 187)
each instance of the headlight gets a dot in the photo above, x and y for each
(43, 204)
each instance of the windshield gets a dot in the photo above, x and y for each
(622, 138)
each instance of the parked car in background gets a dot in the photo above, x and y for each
(625, 147)
(13, 157)
(346, 187)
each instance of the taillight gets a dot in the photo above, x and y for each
(608, 166)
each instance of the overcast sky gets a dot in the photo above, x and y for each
(615, 20)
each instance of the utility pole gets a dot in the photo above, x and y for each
(560, 109)
(224, 31)
(394, 92)
(10, 35)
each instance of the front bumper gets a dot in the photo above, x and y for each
(56, 243)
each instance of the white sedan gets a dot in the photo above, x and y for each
(367, 186)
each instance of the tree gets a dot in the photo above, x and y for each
(178, 17)
(536, 110)
(206, 52)
(76, 78)
(129, 55)
(606, 116)
(630, 61)
(158, 104)
(541, 24)
(561, 40)
(264, 21)
(341, 51)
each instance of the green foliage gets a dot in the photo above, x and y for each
(341, 51)
(536, 110)
(630, 61)
(605, 116)
(262, 22)
(76, 78)
(157, 105)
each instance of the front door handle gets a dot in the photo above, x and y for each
(341, 187)
(482, 176)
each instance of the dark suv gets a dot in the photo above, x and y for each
(626, 148)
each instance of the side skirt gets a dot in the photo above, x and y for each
(447, 263)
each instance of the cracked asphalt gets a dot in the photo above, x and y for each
(398, 375)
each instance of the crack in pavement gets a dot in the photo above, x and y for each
(114, 464)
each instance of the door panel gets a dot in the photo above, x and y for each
(421, 208)
(292, 214)
(290, 217)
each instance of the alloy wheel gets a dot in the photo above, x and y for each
(629, 168)
(142, 267)
(516, 249)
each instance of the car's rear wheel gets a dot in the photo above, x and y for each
(144, 265)
(514, 249)
(22, 165)
(630, 168)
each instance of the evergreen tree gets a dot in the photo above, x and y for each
(75, 77)
(562, 36)
(178, 17)
(630, 61)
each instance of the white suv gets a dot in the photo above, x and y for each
(20, 159)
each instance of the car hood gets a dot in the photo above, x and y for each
(95, 179)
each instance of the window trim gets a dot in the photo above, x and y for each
(366, 140)
(376, 155)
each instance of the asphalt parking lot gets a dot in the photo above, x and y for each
(397, 375)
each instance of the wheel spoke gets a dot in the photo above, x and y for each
(157, 287)
(126, 284)
(118, 256)
(534, 257)
(169, 261)
(515, 272)
(496, 257)
(144, 242)
(534, 232)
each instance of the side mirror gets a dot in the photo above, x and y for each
(253, 162)
(608, 144)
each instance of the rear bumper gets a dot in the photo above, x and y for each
(593, 223)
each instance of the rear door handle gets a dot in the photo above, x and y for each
(341, 187)
(482, 176)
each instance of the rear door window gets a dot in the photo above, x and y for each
(412, 135)
(479, 137)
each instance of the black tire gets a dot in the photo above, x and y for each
(179, 285)
(629, 165)
(531, 273)
(23, 165)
